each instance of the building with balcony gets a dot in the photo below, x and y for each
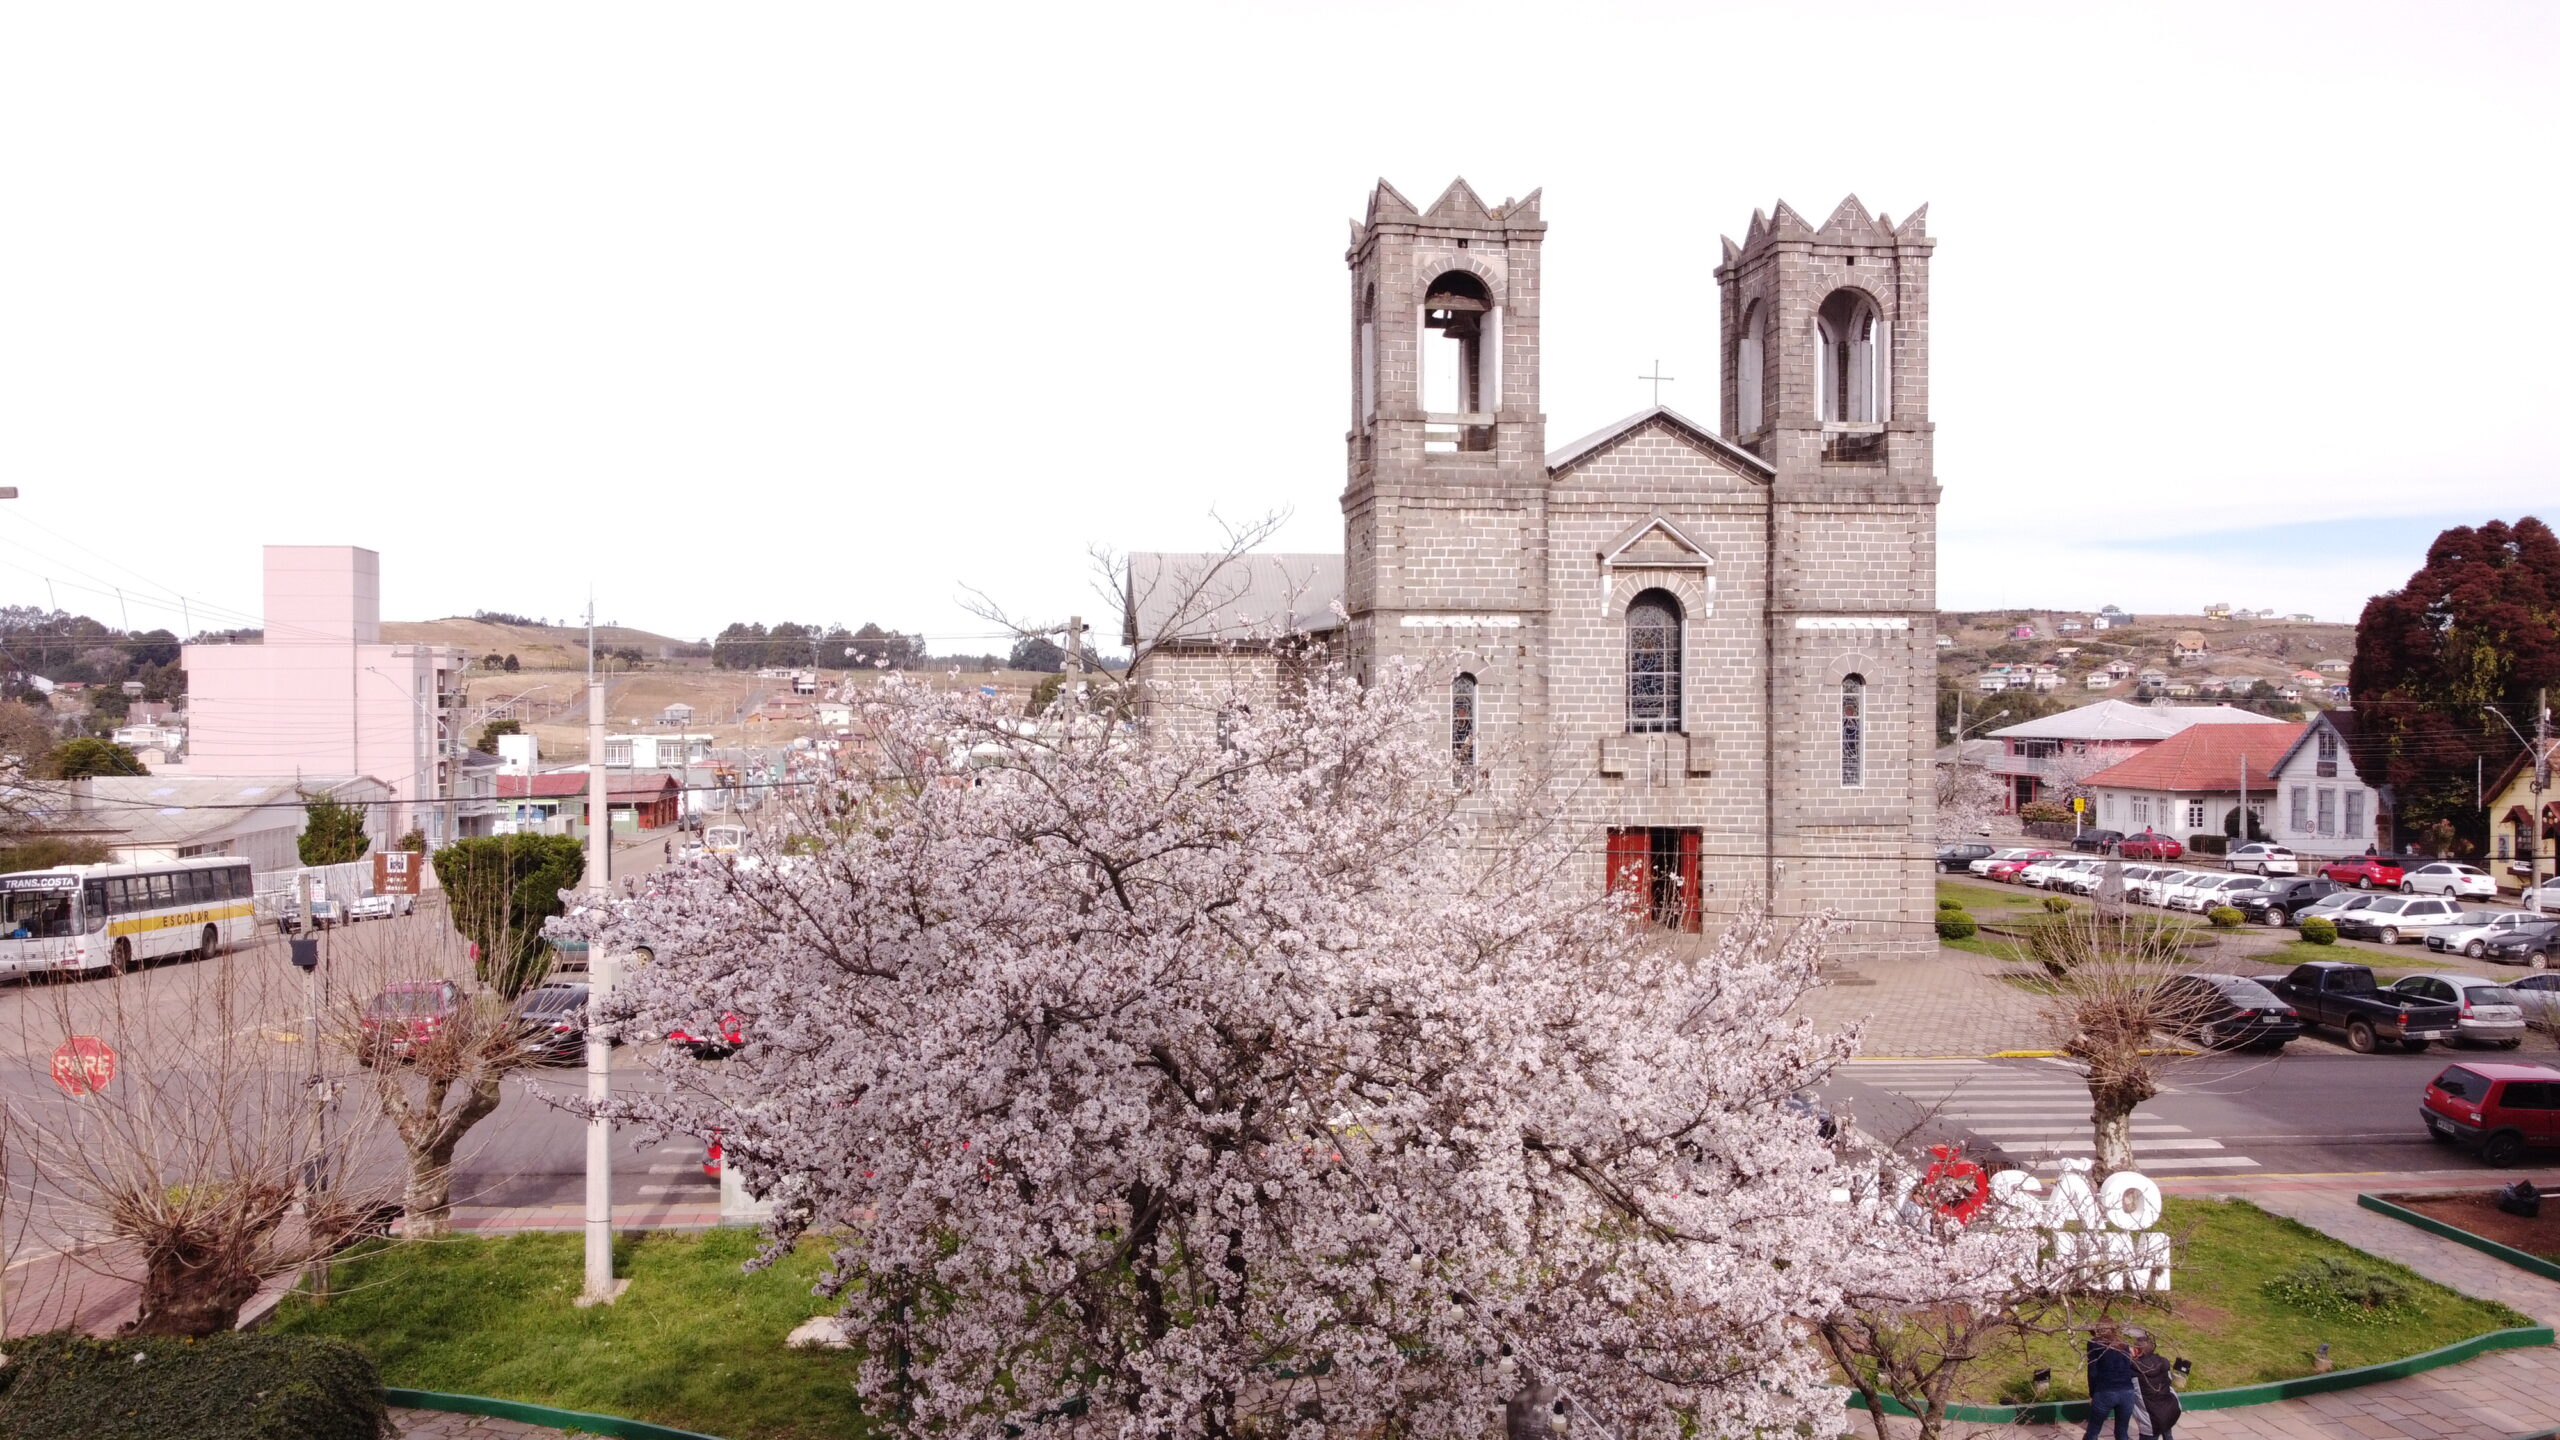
(2060, 752)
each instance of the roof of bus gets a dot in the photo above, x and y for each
(110, 867)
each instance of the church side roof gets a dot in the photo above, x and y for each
(1174, 599)
(1560, 460)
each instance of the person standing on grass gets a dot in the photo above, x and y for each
(2151, 1379)
(2111, 1390)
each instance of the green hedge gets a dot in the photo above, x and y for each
(2319, 930)
(1955, 925)
(229, 1386)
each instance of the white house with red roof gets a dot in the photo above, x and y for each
(2192, 782)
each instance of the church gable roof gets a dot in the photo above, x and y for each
(1670, 422)
(1214, 598)
(1654, 544)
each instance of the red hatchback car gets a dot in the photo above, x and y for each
(2006, 872)
(403, 1017)
(2365, 872)
(2149, 845)
(2501, 1108)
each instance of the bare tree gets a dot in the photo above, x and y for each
(210, 1162)
(2106, 1008)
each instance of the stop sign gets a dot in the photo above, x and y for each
(83, 1063)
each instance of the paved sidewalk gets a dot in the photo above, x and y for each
(1950, 1003)
(443, 1425)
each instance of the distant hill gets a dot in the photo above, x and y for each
(540, 647)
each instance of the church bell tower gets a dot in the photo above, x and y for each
(1826, 377)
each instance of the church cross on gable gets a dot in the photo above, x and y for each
(1721, 639)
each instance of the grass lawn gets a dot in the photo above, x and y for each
(693, 1343)
(2387, 965)
(1978, 897)
(2218, 1316)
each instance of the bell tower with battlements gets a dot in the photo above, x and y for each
(1826, 377)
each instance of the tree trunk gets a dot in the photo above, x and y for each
(193, 1291)
(426, 1206)
(1531, 1414)
(2114, 1126)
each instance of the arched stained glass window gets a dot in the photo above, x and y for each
(1853, 730)
(1653, 662)
(1462, 727)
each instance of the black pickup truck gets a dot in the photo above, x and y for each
(2343, 997)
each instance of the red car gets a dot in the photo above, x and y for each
(2366, 872)
(2006, 872)
(712, 1047)
(2500, 1107)
(403, 1017)
(2149, 845)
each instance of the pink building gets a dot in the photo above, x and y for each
(323, 695)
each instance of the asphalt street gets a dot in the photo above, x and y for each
(2317, 1109)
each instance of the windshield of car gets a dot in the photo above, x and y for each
(2465, 870)
(2487, 994)
(35, 914)
(2477, 917)
(552, 999)
(408, 1002)
(2389, 907)
(2462, 1084)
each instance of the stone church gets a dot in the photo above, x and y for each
(1717, 639)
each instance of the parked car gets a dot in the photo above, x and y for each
(2500, 1109)
(2394, 918)
(2277, 901)
(2211, 891)
(2366, 872)
(1953, 858)
(2531, 946)
(2008, 871)
(2538, 996)
(2002, 857)
(2135, 876)
(2097, 842)
(2227, 1012)
(2342, 996)
(380, 907)
(403, 1016)
(2449, 877)
(2260, 858)
(2155, 888)
(2054, 874)
(2149, 845)
(720, 1044)
(554, 1020)
(2472, 930)
(324, 914)
(2335, 905)
(2490, 1014)
(2544, 897)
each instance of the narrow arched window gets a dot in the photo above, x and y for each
(1653, 662)
(1853, 730)
(1462, 726)
(1849, 338)
(1746, 374)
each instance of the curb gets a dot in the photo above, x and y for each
(2522, 1260)
(2054, 1412)
(576, 1420)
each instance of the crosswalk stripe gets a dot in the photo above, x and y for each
(2139, 1146)
(2139, 1128)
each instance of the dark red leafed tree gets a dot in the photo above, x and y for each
(2477, 626)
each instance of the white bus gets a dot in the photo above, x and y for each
(113, 917)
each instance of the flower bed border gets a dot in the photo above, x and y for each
(2521, 1259)
(577, 1420)
(2053, 1412)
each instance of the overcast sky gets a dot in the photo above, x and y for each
(826, 312)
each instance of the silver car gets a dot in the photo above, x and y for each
(2538, 996)
(2491, 1013)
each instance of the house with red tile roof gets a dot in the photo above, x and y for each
(637, 802)
(2191, 783)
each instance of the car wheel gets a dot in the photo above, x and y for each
(2537, 961)
(212, 943)
(2390, 935)
(120, 956)
(2415, 1046)
(2275, 918)
(2503, 1149)
(2475, 950)
(2364, 882)
(2407, 888)
(2360, 1037)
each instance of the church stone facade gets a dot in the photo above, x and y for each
(1715, 645)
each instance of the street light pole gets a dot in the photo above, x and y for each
(601, 1287)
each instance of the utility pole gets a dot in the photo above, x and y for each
(601, 1287)
(1075, 663)
(2541, 783)
(2244, 799)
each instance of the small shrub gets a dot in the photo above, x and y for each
(2340, 1289)
(2055, 905)
(2224, 917)
(1956, 926)
(1944, 906)
(2047, 811)
(2319, 930)
(2207, 845)
(227, 1386)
